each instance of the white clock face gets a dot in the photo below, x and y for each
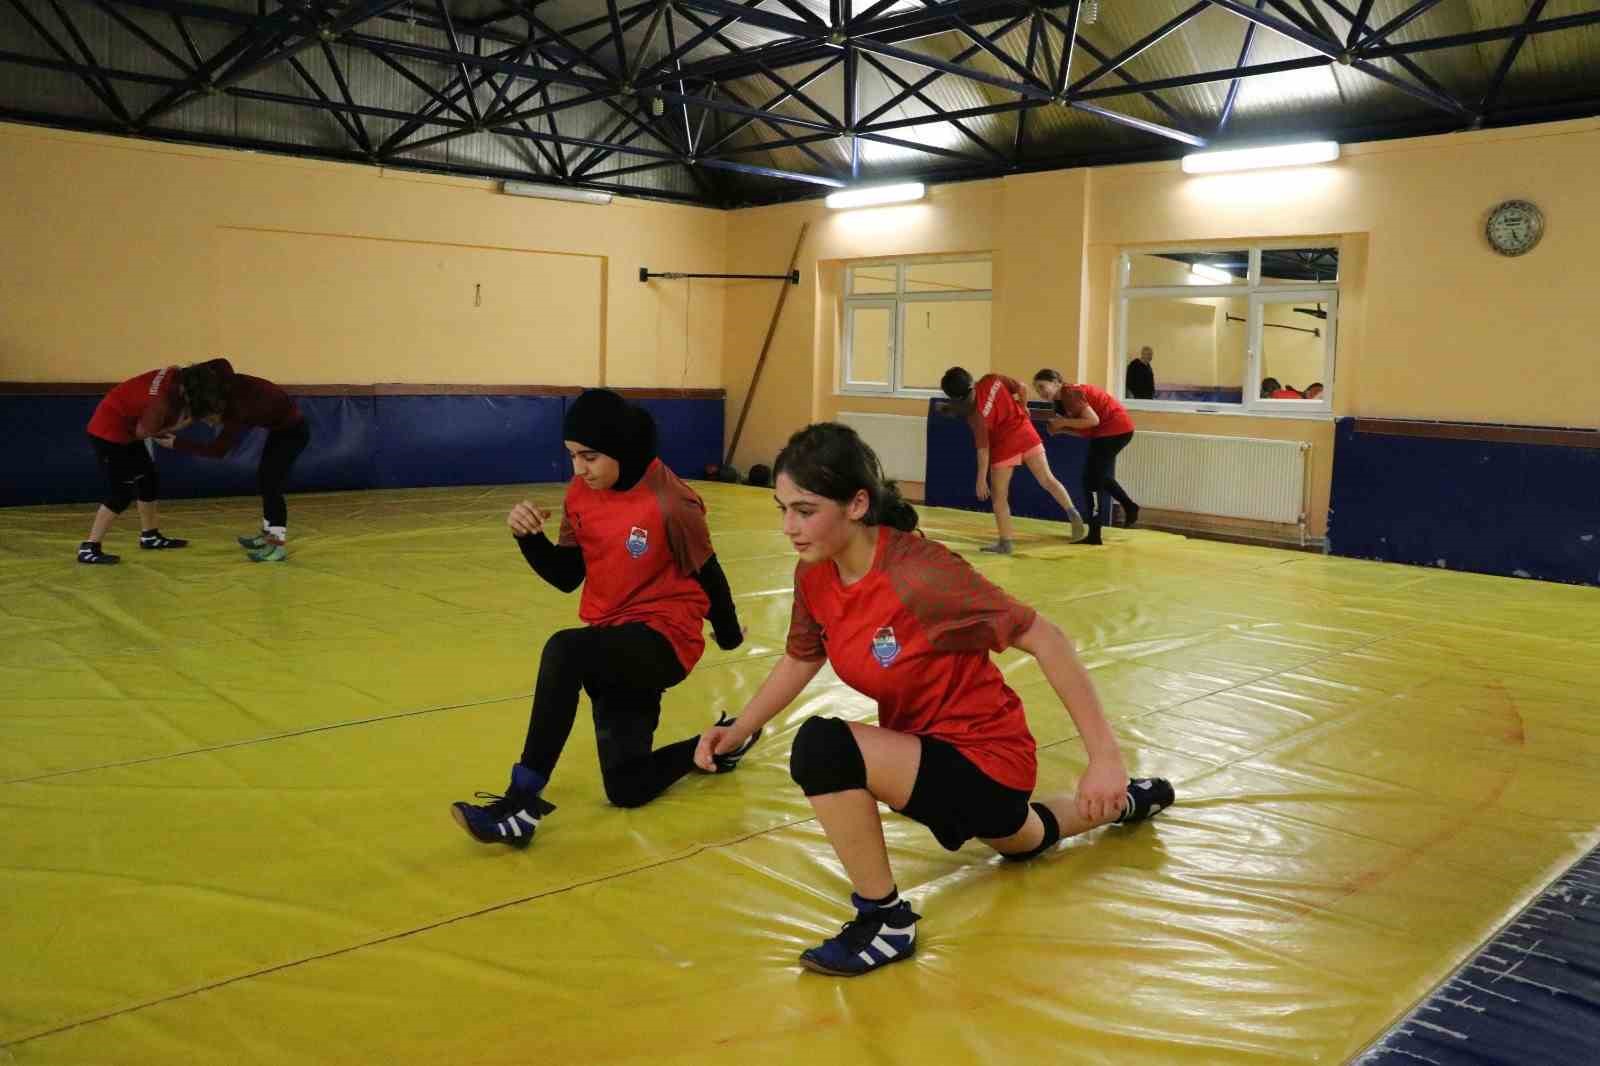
(1515, 227)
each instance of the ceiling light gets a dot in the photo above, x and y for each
(1215, 275)
(872, 195)
(1278, 155)
(555, 192)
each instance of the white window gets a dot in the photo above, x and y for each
(1248, 329)
(907, 321)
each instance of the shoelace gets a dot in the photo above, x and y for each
(499, 805)
(859, 931)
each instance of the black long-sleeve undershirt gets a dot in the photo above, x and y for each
(563, 567)
(723, 616)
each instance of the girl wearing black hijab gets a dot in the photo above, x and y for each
(635, 537)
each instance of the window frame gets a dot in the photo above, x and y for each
(1257, 294)
(902, 302)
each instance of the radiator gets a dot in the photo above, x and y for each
(1234, 477)
(901, 442)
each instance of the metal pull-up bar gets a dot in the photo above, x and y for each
(793, 277)
(1280, 325)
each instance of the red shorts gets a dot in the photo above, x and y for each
(1018, 460)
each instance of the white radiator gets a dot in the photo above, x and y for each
(1234, 477)
(901, 442)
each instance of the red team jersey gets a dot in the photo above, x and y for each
(1114, 419)
(999, 421)
(641, 550)
(139, 407)
(251, 402)
(915, 634)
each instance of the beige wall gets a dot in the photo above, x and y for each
(123, 254)
(798, 384)
(1433, 324)
(1440, 324)
(1296, 358)
(1185, 336)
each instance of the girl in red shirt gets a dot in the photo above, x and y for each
(235, 403)
(137, 410)
(1092, 412)
(996, 409)
(909, 623)
(635, 537)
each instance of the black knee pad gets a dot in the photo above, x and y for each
(826, 758)
(117, 502)
(1052, 834)
(148, 487)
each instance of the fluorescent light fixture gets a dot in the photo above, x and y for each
(554, 192)
(872, 195)
(1275, 155)
(1215, 275)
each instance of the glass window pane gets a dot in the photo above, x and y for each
(1299, 266)
(872, 280)
(972, 275)
(940, 334)
(871, 345)
(1148, 269)
(1198, 349)
(1293, 350)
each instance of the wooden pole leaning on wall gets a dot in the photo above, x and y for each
(766, 345)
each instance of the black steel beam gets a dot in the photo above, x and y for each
(177, 136)
(1233, 86)
(1139, 47)
(1498, 78)
(1405, 18)
(1497, 33)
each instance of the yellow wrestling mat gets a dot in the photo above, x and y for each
(225, 788)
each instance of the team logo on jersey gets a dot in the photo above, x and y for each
(638, 541)
(885, 648)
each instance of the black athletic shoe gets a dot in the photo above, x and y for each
(874, 938)
(1147, 797)
(152, 540)
(509, 819)
(89, 552)
(728, 761)
(1130, 516)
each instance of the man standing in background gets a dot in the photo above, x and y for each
(1141, 381)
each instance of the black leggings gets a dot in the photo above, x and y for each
(1100, 477)
(283, 447)
(129, 470)
(624, 669)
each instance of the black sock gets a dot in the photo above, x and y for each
(149, 534)
(885, 903)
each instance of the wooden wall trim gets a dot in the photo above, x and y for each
(1549, 435)
(100, 388)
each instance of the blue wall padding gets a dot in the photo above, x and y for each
(690, 432)
(50, 459)
(1491, 507)
(357, 442)
(953, 469)
(1202, 395)
(338, 457)
(468, 440)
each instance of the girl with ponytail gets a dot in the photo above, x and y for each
(907, 622)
